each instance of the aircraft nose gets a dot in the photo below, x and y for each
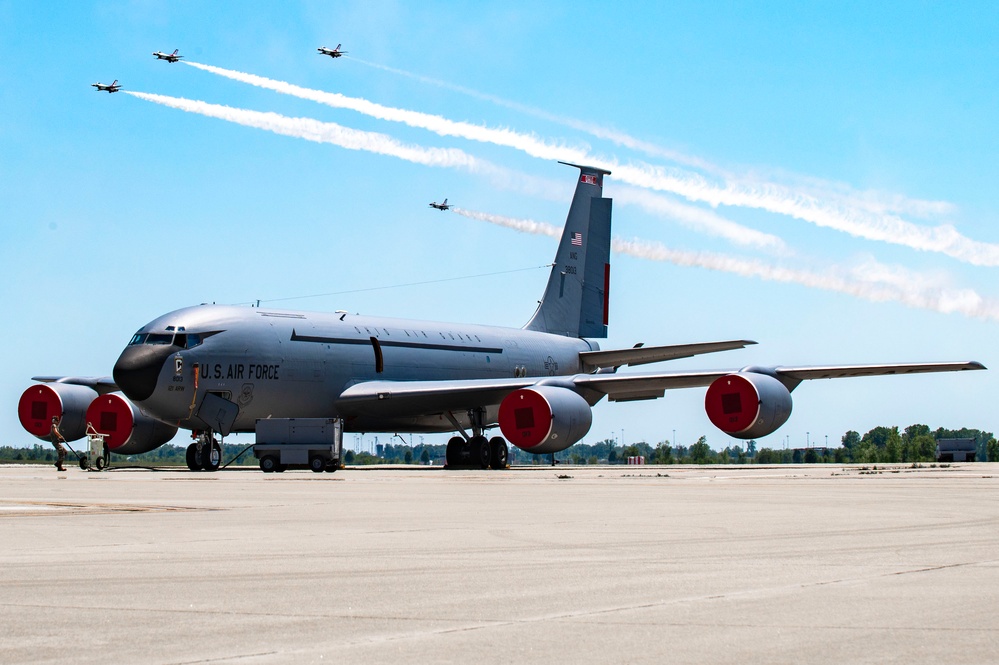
(138, 369)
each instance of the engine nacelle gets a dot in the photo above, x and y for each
(747, 405)
(40, 403)
(127, 430)
(544, 419)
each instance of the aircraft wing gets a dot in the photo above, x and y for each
(642, 355)
(412, 398)
(625, 387)
(102, 384)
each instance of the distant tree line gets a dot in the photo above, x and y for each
(915, 443)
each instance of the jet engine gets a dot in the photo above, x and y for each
(127, 430)
(544, 419)
(747, 405)
(40, 403)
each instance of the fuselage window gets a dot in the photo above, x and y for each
(159, 338)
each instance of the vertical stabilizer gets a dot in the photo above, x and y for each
(576, 299)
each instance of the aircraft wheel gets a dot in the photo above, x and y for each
(317, 463)
(84, 462)
(193, 457)
(479, 452)
(268, 464)
(99, 463)
(499, 453)
(214, 459)
(453, 452)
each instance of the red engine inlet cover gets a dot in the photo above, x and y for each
(732, 403)
(112, 416)
(525, 417)
(36, 409)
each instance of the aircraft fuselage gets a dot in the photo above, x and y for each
(290, 364)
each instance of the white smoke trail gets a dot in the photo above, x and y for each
(872, 201)
(871, 280)
(620, 138)
(944, 239)
(700, 219)
(697, 218)
(326, 132)
(692, 186)
(530, 144)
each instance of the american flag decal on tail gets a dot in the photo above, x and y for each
(590, 179)
(577, 239)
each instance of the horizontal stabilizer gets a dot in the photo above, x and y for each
(653, 354)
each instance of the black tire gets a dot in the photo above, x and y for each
(281, 468)
(332, 466)
(479, 452)
(499, 453)
(99, 463)
(213, 460)
(317, 463)
(268, 464)
(452, 456)
(84, 462)
(193, 457)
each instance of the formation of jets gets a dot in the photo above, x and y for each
(175, 57)
(216, 369)
(106, 87)
(169, 57)
(331, 52)
(441, 206)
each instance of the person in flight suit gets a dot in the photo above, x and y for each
(57, 440)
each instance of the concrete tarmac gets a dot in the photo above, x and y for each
(820, 564)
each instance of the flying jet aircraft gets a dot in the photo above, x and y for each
(218, 369)
(169, 57)
(441, 206)
(331, 52)
(106, 87)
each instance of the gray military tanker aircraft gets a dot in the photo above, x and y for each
(218, 369)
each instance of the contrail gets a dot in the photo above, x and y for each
(871, 281)
(855, 221)
(326, 132)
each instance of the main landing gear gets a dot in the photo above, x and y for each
(476, 451)
(205, 454)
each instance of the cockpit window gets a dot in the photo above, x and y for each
(181, 339)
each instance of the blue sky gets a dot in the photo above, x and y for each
(862, 139)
